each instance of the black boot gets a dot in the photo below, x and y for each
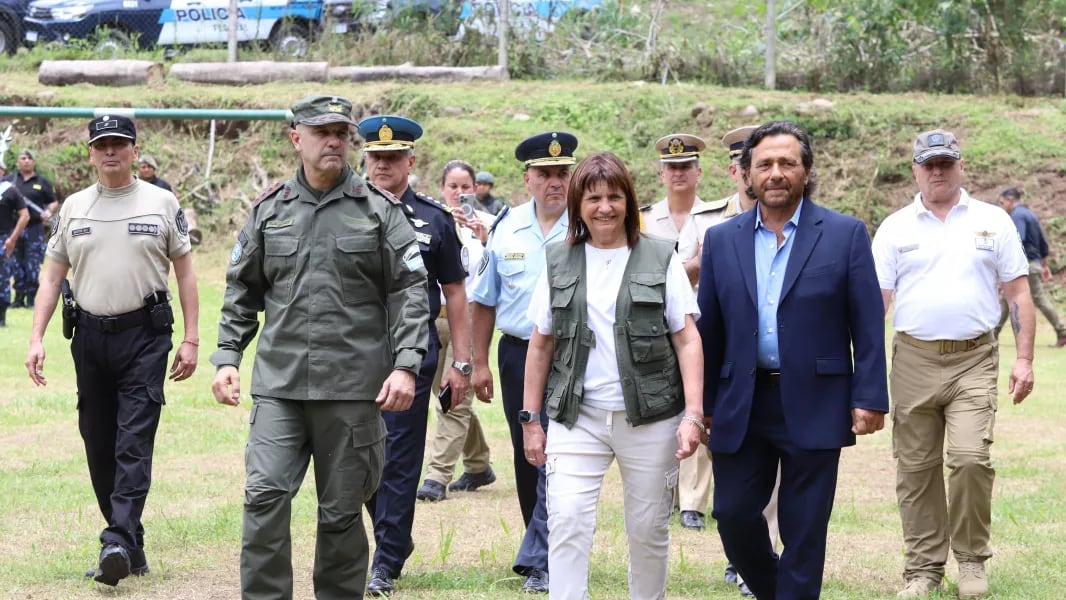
(31, 297)
(3, 316)
(19, 299)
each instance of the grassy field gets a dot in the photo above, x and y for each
(49, 521)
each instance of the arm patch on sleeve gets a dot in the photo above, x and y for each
(412, 258)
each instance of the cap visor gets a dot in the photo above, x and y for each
(384, 146)
(111, 134)
(924, 156)
(326, 120)
(551, 162)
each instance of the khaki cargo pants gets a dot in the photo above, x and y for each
(940, 395)
(459, 433)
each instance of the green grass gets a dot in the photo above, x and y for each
(49, 521)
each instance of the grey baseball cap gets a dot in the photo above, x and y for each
(936, 143)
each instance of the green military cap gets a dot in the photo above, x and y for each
(679, 147)
(319, 109)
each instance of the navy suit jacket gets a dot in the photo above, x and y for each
(831, 329)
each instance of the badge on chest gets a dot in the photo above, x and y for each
(984, 241)
(142, 229)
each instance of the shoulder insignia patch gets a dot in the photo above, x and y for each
(385, 193)
(181, 222)
(55, 225)
(269, 192)
(412, 258)
(484, 264)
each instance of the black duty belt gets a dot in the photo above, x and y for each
(768, 377)
(116, 323)
(515, 340)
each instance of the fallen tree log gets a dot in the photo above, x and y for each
(407, 72)
(243, 73)
(100, 72)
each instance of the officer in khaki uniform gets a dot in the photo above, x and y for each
(683, 211)
(118, 239)
(942, 259)
(335, 266)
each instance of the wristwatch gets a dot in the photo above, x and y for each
(463, 367)
(524, 416)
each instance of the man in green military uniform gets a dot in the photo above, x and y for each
(335, 266)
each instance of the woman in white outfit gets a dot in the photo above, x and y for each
(616, 362)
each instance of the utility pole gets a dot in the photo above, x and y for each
(770, 80)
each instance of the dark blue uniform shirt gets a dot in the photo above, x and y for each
(1029, 231)
(36, 189)
(10, 204)
(439, 242)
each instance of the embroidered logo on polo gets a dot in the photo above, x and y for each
(143, 228)
(81, 231)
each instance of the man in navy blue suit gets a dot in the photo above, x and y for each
(794, 353)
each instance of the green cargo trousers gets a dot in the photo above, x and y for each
(347, 441)
(943, 403)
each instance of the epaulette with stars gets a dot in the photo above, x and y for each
(430, 201)
(269, 192)
(713, 206)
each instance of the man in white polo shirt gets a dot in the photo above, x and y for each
(943, 257)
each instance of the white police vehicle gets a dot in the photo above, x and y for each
(288, 25)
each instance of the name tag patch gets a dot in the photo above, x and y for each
(908, 248)
(514, 256)
(985, 243)
(81, 231)
(423, 238)
(143, 228)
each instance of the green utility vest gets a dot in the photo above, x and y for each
(647, 364)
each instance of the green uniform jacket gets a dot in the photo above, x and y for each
(343, 287)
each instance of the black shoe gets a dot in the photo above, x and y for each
(19, 300)
(536, 582)
(730, 574)
(744, 591)
(431, 491)
(30, 299)
(691, 519)
(380, 583)
(114, 565)
(472, 481)
(3, 317)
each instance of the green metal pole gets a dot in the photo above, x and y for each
(221, 114)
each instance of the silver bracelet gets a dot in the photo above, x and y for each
(698, 423)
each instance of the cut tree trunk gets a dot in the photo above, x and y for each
(406, 72)
(241, 73)
(100, 72)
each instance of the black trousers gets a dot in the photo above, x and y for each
(120, 396)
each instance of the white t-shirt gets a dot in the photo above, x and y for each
(603, 279)
(945, 273)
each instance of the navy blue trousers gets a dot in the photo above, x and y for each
(393, 506)
(29, 254)
(120, 398)
(529, 480)
(743, 483)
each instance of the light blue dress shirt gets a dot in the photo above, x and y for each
(511, 265)
(770, 263)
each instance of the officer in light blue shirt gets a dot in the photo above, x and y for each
(770, 262)
(507, 275)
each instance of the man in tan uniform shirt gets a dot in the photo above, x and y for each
(682, 211)
(118, 239)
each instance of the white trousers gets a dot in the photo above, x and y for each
(578, 459)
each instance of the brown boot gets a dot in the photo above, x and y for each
(973, 583)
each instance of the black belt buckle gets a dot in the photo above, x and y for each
(107, 324)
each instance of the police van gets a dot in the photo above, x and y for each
(288, 25)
